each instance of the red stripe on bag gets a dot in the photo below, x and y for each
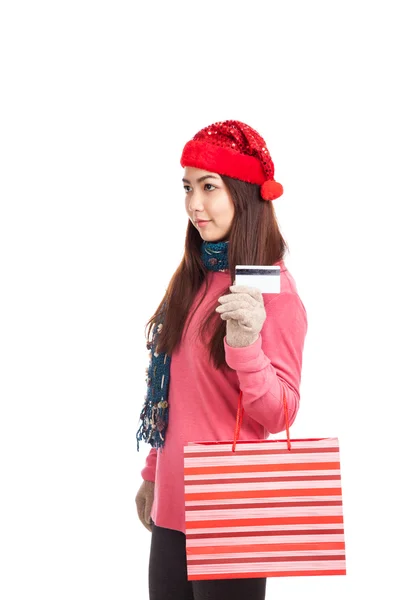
(263, 559)
(262, 479)
(265, 521)
(242, 575)
(198, 550)
(317, 466)
(273, 532)
(263, 505)
(263, 494)
(260, 452)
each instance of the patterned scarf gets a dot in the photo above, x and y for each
(154, 415)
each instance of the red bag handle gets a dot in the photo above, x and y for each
(239, 419)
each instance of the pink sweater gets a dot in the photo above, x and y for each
(203, 400)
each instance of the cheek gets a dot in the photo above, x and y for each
(224, 208)
(227, 210)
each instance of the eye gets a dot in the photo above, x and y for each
(188, 186)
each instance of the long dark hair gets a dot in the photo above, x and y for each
(254, 239)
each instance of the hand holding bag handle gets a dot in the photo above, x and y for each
(239, 419)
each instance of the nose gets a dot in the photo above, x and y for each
(196, 203)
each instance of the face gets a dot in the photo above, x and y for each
(208, 204)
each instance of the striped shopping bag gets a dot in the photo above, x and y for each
(268, 508)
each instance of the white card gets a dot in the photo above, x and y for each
(266, 278)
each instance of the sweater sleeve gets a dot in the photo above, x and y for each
(149, 471)
(272, 364)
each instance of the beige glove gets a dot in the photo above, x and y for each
(244, 313)
(144, 502)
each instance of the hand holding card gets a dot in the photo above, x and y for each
(244, 312)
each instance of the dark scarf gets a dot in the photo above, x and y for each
(154, 415)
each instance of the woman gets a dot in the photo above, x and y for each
(210, 339)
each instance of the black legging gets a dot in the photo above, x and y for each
(168, 574)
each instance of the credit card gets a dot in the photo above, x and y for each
(266, 278)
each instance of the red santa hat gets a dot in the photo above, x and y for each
(234, 149)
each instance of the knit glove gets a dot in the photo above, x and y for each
(144, 502)
(244, 313)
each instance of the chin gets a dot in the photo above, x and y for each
(214, 238)
(211, 236)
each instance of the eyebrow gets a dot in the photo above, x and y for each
(201, 178)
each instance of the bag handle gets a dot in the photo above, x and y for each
(239, 419)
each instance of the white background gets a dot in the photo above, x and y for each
(97, 102)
